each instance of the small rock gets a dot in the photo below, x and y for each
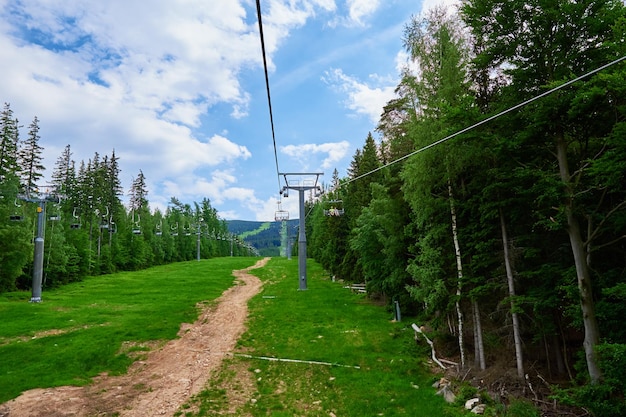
(479, 409)
(447, 393)
(469, 404)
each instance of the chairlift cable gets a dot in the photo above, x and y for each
(484, 121)
(267, 87)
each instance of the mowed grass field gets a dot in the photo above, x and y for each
(377, 368)
(78, 332)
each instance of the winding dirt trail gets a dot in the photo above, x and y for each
(166, 379)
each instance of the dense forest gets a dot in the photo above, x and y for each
(87, 228)
(508, 239)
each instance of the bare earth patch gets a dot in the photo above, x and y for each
(166, 379)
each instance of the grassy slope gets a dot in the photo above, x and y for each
(262, 227)
(96, 316)
(325, 323)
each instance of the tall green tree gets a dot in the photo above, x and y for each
(435, 178)
(9, 140)
(541, 44)
(362, 172)
(30, 158)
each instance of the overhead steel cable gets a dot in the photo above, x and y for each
(267, 87)
(488, 119)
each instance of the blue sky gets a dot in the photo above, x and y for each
(177, 88)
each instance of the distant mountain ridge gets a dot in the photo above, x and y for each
(264, 236)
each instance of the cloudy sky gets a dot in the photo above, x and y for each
(177, 89)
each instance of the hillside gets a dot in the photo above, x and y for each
(264, 236)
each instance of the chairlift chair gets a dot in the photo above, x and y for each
(136, 227)
(174, 229)
(16, 217)
(281, 215)
(334, 208)
(75, 225)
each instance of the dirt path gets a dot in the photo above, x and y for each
(166, 379)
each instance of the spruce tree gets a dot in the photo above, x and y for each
(30, 158)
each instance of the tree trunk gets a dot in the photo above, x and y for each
(459, 269)
(509, 276)
(479, 349)
(592, 332)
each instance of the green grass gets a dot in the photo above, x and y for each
(80, 330)
(77, 332)
(325, 323)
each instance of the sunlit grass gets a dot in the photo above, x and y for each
(78, 330)
(378, 369)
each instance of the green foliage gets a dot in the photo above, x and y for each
(553, 171)
(606, 398)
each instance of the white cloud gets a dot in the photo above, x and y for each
(361, 97)
(360, 9)
(334, 152)
(155, 81)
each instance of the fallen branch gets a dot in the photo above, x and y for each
(267, 358)
(432, 346)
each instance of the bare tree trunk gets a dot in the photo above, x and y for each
(509, 276)
(459, 269)
(592, 331)
(479, 349)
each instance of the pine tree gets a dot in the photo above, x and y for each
(30, 158)
(64, 174)
(138, 193)
(9, 140)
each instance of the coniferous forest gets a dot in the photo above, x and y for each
(87, 228)
(509, 239)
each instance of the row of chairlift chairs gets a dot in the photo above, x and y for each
(107, 223)
(332, 208)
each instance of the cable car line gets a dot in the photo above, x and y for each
(267, 87)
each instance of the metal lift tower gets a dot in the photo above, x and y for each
(302, 186)
(41, 199)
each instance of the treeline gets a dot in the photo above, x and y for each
(88, 230)
(510, 238)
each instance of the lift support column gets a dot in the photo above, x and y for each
(301, 187)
